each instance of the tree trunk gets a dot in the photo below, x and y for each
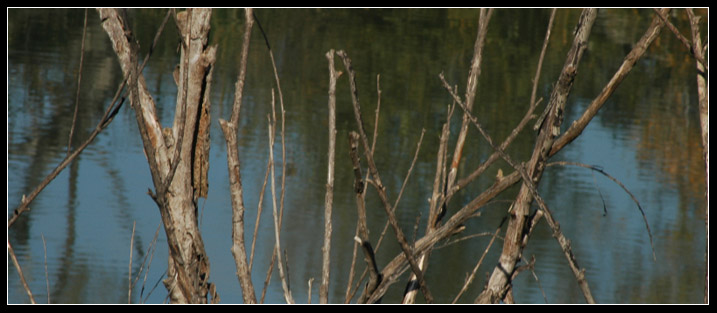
(177, 155)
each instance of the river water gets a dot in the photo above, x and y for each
(74, 243)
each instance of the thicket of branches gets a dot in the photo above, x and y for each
(177, 156)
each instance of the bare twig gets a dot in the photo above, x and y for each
(396, 266)
(392, 270)
(513, 243)
(540, 59)
(328, 201)
(495, 155)
(260, 208)
(11, 252)
(407, 250)
(413, 283)
(149, 256)
(283, 146)
(532, 105)
(372, 268)
(471, 87)
(528, 181)
(634, 199)
(630, 60)
(230, 129)
(104, 122)
(702, 95)
(470, 277)
(308, 293)
(690, 47)
(277, 244)
(129, 271)
(79, 83)
(47, 278)
(360, 197)
(362, 237)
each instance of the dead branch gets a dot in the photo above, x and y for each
(328, 201)
(359, 186)
(373, 271)
(129, 271)
(405, 247)
(634, 199)
(471, 87)
(635, 54)
(396, 266)
(470, 278)
(271, 162)
(11, 253)
(702, 95)
(235, 186)
(277, 224)
(79, 83)
(562, 240)
(696, 53)
(532, 105)
(519, 212)
(360, 196)
(107, 118)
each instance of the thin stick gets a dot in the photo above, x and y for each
(328, 201)
(690, 47)
(372, 268)
(283, 146)
(410, 296)
(532, 105)
(470, 278)
(230, 133)
(628, 63)
(308, 293)
(277, 245)
(410, 169)
(634, 199)
(540, 59)
(239, 90)
(362, 237)
(79, 81)
(129, 271)
(471, 87)
(360, 200)
(702, 95)
(512, 245)
(105, 121)
(396, 266)
(495, 155)
(149, 256)
(19, 272)
(47, 278)
(562, 240)
(407, 250)
(259, 210)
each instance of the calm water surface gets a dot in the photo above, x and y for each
(646, 136)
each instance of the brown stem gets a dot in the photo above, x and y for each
(635, 54)
(235, 185)
(328, 201)
(405, 247)
(513, 243)
(702, 95)
(471, 87)
(11, 252)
